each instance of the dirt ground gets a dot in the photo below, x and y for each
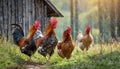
(31, 65)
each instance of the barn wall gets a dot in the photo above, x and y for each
(45, 18)
(1, 17)
(23, 12)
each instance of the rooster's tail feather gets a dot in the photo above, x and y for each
(18, 33)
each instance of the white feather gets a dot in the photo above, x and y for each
(79, 37)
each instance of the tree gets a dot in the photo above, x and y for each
(72, 18)
(76, 17)
(118, 18)
(100, 16)
(112, 18)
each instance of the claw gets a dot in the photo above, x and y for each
(47, 58)
(30, 59)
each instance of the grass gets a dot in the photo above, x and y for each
(107, 58)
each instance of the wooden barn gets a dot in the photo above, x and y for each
(25, 12)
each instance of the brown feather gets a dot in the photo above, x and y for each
(67, 46)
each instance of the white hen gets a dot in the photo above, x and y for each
(79, 37)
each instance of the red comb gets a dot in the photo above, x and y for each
(53, 20)
(37, 24)
(69, 28)
(88, 27)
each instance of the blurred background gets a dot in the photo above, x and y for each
(102, 15)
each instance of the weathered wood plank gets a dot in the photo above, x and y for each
(24, 12)
(40, 17)
(1, 17)
(16, 11)
(46, 18)
(35, 3)
(33, 12)
(7, 22)
(29, 12)
(42, 14)
(9, 16)
(5, 9)
(39, 9)
(13, 11)
(20, 12)
(24, 15)
(27, 21)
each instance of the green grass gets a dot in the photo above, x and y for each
(109, 58)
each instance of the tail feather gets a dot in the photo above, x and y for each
(19, 28)
(18, 33)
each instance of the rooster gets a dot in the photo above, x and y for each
(85, 40)
(49, 41)
(66, 47)
(26, 44)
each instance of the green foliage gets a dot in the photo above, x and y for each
(87, 15)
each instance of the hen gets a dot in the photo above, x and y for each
(26, 44)
(66, 47)
(79, 36)
(49, 41)
(85, 40)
